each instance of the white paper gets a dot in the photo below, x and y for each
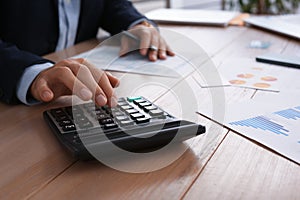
(247, 73)
(192, 16)
(107, 57)
(288, 25)
(273, 121)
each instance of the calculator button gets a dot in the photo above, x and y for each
(69, 127)
(131, 99)
(116, 114)
(121, 118)
(57, 112)
(156, 112)
(65, 122)
(122, 103)
(148, 108)
(76, 115)
(136, 115)
(139, 101)
(126, 123)
(110, 126)
(61, 118)
(100, 112)
(111, 110)
(101, 116)
(131, 111)
(81, 119)
(127, 107)
(142, 120)
(73, 110)
(145, 104)
(86, 124)
(106, 121)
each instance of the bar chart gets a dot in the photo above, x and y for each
(289, 114)
(278, 130)
(262, 123)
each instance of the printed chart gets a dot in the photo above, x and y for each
(279, 130)
(247, 73)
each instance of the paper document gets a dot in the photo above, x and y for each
(107, 58)
(273, 122)
(286, 24)
(192, 16)
(247, 73)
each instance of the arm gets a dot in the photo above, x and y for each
(18, 69)
(13, 62)
(120, 15)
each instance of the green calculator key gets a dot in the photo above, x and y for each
(131, 99)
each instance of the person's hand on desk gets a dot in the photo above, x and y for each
(89, 81)
(151, 43)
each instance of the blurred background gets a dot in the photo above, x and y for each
(271, 7)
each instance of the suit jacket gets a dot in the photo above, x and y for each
(29, 29)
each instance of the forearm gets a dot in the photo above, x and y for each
(119, 15)
(13, 62)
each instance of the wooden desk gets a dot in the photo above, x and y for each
(219, 165)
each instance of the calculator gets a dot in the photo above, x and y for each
(134, 125)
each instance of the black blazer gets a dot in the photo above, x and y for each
(29, 29)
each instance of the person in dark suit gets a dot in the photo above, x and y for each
(30, 29)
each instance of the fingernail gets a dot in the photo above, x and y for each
(154, 57)
(113, 101)
(86, 94)
(117, 84)
(101, 100)
(163, 55)
(143, 52)
(46, 96)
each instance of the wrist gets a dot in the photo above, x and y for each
(146, 23)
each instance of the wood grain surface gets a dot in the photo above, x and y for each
(217, 165)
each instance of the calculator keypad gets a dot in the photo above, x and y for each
(128, 113)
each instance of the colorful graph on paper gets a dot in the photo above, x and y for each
(247, 73)
(279, 130)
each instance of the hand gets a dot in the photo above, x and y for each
(75, 76)
(149, 37)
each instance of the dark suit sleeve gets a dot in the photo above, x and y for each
(12, 65)
(118, 15)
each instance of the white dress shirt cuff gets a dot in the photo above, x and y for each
(26, 80)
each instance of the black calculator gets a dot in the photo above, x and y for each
(134, 125)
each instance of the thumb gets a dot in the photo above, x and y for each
(42, 92)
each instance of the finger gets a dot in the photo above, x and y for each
(170, 52)
(106, 84)
(152, 55)
(114, 81)
(42, 91)
(67, 78)
(107, 88)
(87, 77)
(145, 36)
(162, 50)
(124, 49)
